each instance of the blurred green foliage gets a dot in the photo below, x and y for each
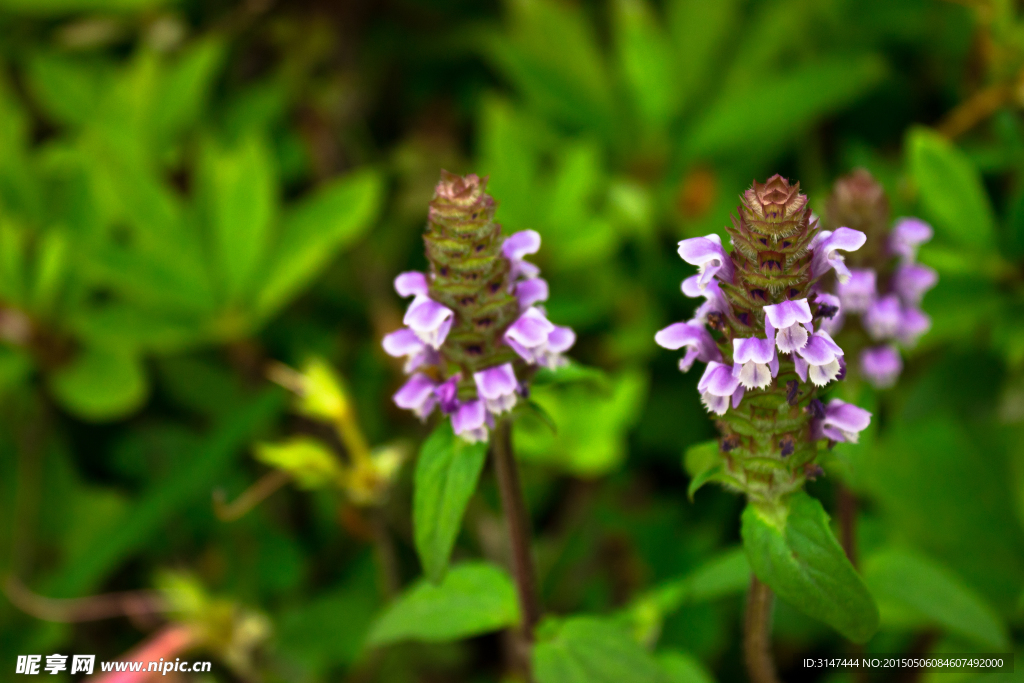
(192, 190)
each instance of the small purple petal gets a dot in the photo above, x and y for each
(913, 324)
(413, 283)
(911, 281)
(469, 416)
(520, 244)
(754, 349)
(417, 395)
(718, 380)
(883, 317)
(531, 291)
(881, 365)
(429, 320)
(825, 246)
(447, 394)
(496, 382)
(561, 339)
(844, 421)
(700, 345)
(403, 342)
(708, 255)
(530, 329)
(714, 297)
(820, 349)
(857, 293)
(788, 313)
(801, 367)
(737, 396)
(907, 236)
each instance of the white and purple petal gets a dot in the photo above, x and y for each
(469, 421)
(710, 258)
(417, 395)
(911, 281)
(698, 342)
(883, 317)
(430, 320)
(497, 387)
(859, 291)
(531, 291)
(412, 283)
(906, 236)
(844, 421)
(881, 365)
(913, 324)
(826, 246)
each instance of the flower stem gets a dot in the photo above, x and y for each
(757, 633)
(512, 502)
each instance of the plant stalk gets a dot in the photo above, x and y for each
(514, 506)
(757, 641)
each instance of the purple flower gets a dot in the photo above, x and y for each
(881, 365)
(883, 317)
(844, 421)
(788, 318)
(404, 342)
(911, 281)
(755, 361)
(710, 258)
(906, 236)
(412, 283)
(447, 394)
(715, 298)
(819, 359)
(858, 293)
(531, 291)
(825, 246)
(429, 320)
(913, 323)
(537, 340)
(832, 324)
(497, 387)
(717, 386)
(417, 395)
(516, 247)
(470, 421)
(700, 345)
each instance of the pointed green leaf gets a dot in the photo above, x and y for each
(703, 462)
(446, 476)
(313, 232)
(759, 117)
(794, 551)
(473, 598)
(101, 384)
(915, 591)
(185, 87)
(591, 650)
(951, 190)
(239, 193)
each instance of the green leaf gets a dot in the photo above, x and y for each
(70, 90)
(447, 473)
(473, 598)
(49, 7)
(680, 667)
(186, 86)
(703, 462)
(647, 61)
(794, 551)
(591, 650)
(915, 591)
(313, 232)
(101, 384)
(310, 462)
(699, 30)
(951, 190)
(239, 193)
(758, 117)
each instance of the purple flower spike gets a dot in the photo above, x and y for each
(911, 281)
(715, 298)
(537, 341)
(412, 283)
(787, 317)
(825, 246)
(819, 360)
(710, 258)
(517, 247)
(497, 387)
(447, 394)
(700, 345)
(717, 386)
(913, 324)
(859, 292)
(531, 291)
(429, 320)
(907, 236)
(754, 360)
(883, 317)
(844, 421)
(417, 395)
(881, 365)
(469, 421)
